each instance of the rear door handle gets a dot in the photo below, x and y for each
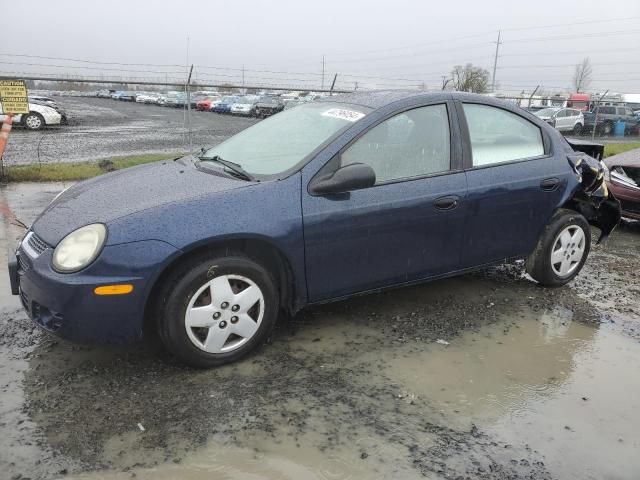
(446, 203)
(549, 184)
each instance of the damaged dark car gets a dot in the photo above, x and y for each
(335, 198)
(623, 179)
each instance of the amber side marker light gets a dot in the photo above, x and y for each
(114, 289)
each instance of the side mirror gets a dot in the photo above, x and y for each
(354, 176)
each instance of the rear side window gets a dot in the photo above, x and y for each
(500, 136)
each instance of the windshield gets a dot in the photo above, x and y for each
(268, 100)
(546, 112)
(279, 143)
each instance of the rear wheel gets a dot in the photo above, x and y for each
(34, 121)
(577, 129)
(216, 310)
(562, 249)
(607, 128)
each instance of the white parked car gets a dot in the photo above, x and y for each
(243, 107)
(39, 116)
(563, 119)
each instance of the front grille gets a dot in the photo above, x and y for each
(36, 243)
(24, 265)
(25, 300)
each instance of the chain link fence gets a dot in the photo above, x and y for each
(101, 127)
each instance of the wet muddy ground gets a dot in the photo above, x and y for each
(104, 128)
(485, 376)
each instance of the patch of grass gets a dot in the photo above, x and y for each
(58, 172)
(616, 148)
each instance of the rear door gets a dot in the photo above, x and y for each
(563, 120)
(514, 183)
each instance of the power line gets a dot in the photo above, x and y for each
(580, 35)
(481, 34)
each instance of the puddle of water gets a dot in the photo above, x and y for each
(568, 390)
(284, 459)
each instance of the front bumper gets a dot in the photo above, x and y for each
(66, 305)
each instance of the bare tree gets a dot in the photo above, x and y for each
(470, 79)
(582, 75)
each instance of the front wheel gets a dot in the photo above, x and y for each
(562, 249)
(217, 309)
(34, 121)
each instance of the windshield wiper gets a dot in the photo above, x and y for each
(236, 169)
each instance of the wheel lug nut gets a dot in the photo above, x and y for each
(235, 308)
(234, 319)
(216, 315)
(222, 324)
(224, 305)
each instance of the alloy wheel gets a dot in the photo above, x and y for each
(33, 122)
(224, 313)
(568, 250)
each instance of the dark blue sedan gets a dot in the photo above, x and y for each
(327, 200)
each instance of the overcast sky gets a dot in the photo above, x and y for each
(403, 42)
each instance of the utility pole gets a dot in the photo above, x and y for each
(495, 64)
(355, 86)
(333, 84)
(187, 87)
(322, 86)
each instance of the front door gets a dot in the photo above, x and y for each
(408, 226)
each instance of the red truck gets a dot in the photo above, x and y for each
(579, 101)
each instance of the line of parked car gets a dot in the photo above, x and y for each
(259, 106)
(605, 119)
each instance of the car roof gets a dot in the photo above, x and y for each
(379, 98)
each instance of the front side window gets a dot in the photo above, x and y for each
(498, 135)
(411, 144)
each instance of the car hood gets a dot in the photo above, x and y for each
(117, 194)
(630, 158)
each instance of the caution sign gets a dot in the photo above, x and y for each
(13, 96)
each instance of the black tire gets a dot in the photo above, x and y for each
(539, 263)
(33, 121)
(577, 129)
(184, 283)
(607, 128)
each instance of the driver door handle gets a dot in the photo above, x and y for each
(448, 202)
(549, 184)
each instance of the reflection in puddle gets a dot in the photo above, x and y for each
(492, 375)
(568, 391)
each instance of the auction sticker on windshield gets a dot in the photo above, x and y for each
(342, 114)
(13, 95)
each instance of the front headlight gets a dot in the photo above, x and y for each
(79, 248)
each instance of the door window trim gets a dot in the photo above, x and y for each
(466, 138)
(455, 139)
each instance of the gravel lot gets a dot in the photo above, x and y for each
(485, 376)
(104, 128)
